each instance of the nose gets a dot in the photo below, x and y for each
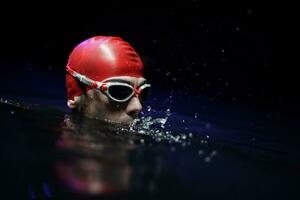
(134, 107)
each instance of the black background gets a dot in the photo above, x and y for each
(239, 54)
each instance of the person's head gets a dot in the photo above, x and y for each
(105, 80)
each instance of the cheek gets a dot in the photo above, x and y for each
(108, 107)
(100, 106)
(115, 108)
(95, 103)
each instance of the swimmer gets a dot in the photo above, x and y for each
(105, 80)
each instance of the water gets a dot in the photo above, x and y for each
(48, 153)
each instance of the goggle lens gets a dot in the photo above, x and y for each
(120, 92)
(123, 92)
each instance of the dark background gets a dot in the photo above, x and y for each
(238, 54)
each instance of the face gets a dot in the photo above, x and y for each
(98, 105)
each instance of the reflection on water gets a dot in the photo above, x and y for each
(95, 157)
(47, 153)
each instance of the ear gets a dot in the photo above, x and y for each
(71, 104)
(76, 102)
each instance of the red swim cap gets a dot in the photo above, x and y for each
(99, 58)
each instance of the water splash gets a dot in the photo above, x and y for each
(196, 115)
(157, 129)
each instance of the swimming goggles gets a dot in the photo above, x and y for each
(116, 91)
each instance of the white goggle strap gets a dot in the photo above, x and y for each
(144, 86)
(117, 83)
(84, 79)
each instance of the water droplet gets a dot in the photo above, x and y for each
(183, 136)
(12, 112)
(131, 142)
(249, 12)
(190, 135)
(196, 115)
(207, 136)
(200, 152)
(168, 112)
(213, 153)
(207, 159)
(148, 108)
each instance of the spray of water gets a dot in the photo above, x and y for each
(156, 128)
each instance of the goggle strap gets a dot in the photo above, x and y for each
(137, 92)
(103, 87)
(100, 85)
(84, 79)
